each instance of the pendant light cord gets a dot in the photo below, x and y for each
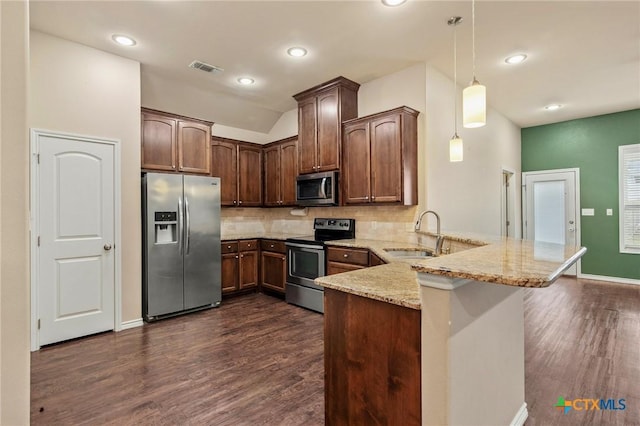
(473, 36)
(455, 79)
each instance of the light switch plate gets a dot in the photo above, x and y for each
(588, 212)
(609, 212)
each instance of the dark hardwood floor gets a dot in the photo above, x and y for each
(582, 340)
(258, 360)
(254, 361)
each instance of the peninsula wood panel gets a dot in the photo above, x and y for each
(372, 361)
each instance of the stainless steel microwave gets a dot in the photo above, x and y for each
(317, 189)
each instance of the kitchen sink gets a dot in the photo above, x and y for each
(409, 254)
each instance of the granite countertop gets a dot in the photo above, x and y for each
(520, 263)
(495, 260)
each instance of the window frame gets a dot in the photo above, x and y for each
(624, 151)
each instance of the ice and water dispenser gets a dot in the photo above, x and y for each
(166, 227)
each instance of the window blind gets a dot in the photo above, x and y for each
(629, 187)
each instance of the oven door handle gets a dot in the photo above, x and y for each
(305, 246)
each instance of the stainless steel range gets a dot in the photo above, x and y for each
(306, 261)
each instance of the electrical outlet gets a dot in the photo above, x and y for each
(588, 212)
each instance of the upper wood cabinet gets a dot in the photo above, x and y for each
(239, 167)
(380, 158)
(321, 111)
(280, 171)
(174, 143)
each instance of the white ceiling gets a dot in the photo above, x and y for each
(584, 55)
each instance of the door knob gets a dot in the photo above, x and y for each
(107, 247)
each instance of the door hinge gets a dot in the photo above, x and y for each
(38, 323)
(38, 157)
(38, 240)
(508, 223)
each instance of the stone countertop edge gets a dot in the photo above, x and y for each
(257, 235)
(516, 268)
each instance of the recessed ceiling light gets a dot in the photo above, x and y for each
(553, 107)
(393, 2)
(297, 51)
(516, 59)
(123, 40)
(246, 81)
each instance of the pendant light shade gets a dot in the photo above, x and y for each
(455, 149)
(474, 97)
(455, 143)
(474, 105)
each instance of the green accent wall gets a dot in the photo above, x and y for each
(590, 144)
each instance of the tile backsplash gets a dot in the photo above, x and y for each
(372, 222)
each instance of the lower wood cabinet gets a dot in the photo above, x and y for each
(273, 265)
(345, 259)
(239, 269)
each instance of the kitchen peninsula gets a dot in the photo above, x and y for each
(444, 336)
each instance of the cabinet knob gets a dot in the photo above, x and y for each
(236, 256)
(345, 255)
(229, 247)
(373, 197)
(239, 202)
(271, 246)
(366, 197)
(234, 201)
(242, 255)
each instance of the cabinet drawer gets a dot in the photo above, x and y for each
(247, 245)
(273, 245)
(229, 247)
(348, 255)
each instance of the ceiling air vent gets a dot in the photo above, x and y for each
(203, 66)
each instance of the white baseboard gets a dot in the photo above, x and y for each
(521, 416)
(131, 324)
(610, 279)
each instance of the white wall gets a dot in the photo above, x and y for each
(80, 90)
(14, 214)
(467, 195)
(239, 134)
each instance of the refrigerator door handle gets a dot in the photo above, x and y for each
(180, 226)
(187, 224)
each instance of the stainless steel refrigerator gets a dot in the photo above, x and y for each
(181, 238)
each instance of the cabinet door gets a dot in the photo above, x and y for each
(329, 125)
(274, 271)
(386, 160)
(356, 169)
(229, 272)
(288, 173)
(224, 166)
(307, 135)
(248, 269)
(158, 142)
(272, 176)
(194, 143)
(249, 176)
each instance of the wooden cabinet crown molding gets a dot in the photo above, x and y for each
(176, 116)
(338, 81)
(403, 109)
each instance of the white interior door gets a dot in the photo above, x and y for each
(75, 222)
(551, 202)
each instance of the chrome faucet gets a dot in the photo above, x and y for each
(439, 238)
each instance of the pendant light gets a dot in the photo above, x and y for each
(474, 97)
(455, 144)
